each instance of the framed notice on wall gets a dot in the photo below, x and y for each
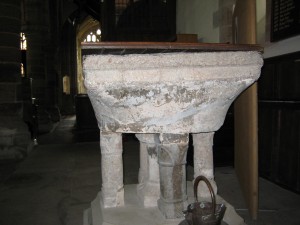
(285, 19)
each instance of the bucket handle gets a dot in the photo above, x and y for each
(212, 194)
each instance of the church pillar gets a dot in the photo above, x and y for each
(14, 134)
(51, 60)
(36, 28)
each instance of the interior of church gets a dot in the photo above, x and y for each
(52, 129)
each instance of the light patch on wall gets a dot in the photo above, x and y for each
(66, 85)
(216, 19)
(198, 17)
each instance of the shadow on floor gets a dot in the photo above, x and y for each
(62, 175)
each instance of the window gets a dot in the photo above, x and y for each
(93, 36)
(23, 47)
(23, 41)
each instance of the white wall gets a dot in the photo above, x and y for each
(196, 17)
(286, 46)
(261, 21)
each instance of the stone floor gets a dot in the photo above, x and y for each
(61, 176)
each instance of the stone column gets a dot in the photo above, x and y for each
(14, 134)
(52, 57)
(203, 161)
(148, 187)
(172, 161)
(37, 33)
(112, 169)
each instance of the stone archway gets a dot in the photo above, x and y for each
(85, 117)
(88, 25)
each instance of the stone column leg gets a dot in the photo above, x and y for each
(148, 187)
(112, 169)
(172, 161)
(203, 161)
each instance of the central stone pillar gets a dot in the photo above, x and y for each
(112, 169)
(172, 160)
(148, 187)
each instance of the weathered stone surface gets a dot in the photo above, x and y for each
(167, 93)
(112, 169)
(15, 140)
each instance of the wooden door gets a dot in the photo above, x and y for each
(245, 112)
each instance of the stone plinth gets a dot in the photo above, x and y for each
(167, 91)
(133, 214)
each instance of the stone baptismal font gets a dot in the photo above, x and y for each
(162, 92)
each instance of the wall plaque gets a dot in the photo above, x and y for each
(285, 19)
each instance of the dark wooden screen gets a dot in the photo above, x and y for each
(279, 121)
